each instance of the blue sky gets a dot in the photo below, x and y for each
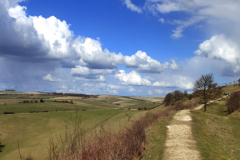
(122, 47)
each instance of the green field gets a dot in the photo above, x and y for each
(33, 130)
(217, 134)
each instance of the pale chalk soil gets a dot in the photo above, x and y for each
(180, 143)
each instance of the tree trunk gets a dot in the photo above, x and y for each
(205, 107)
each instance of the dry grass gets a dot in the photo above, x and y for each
(126, 144)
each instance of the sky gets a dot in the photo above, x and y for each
(117, 47)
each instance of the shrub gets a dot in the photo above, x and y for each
(233, 103)
(8, 113)
(169, 98)
(179, 105)
(190, 96)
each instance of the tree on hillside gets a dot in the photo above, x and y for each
(204, 87)
(239, 81)
(178, 95)
(185, 93)
(169, 98)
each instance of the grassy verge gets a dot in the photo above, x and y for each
(156, 137)
(217, 135)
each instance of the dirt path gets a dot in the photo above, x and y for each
(180, 143)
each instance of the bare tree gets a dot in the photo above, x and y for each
(205, 87)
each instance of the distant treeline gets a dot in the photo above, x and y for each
(57, 94)
(10, 90)
(73, 94)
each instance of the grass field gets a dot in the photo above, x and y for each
(216, 133)
(33, 130)
(231, 88)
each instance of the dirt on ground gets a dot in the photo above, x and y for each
(180, 143)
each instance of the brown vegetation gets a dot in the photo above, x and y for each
(233, 103)
(144, 108)
(180, 105)
(128, 144)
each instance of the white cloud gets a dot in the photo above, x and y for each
(114, 88)
(131, 89)
(132, 78)
(220, 47)
(144, 63)
(111, 86)
(132, 7)
(87, 85)
(212, 12)
(159, 91)
(51, 78)
(182, 24)
(176, 81)
(17, 11)
(90, 73)
(161, 20)
(149, 92)
(174, 65)
(35, 38)
(99, 79)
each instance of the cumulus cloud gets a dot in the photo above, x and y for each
(81, 71)
(38, 39)
(174, 65)
(31, 47)
(132, 7)
(144, 63)
(51, 78)
(221, 48)
(132, 78)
